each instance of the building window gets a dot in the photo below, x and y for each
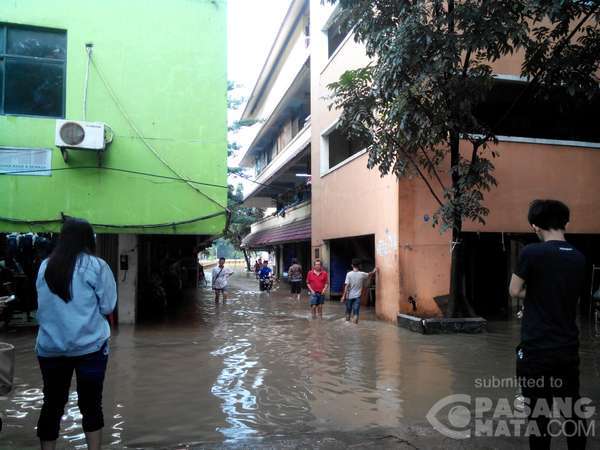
(336, 33)
(557, 116)
(32, 71)
(338, 147)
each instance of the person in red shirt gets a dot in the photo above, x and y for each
(317, 281)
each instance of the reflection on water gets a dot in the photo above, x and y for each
(259, 367)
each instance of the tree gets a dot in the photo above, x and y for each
(430, 69)
(240, 218)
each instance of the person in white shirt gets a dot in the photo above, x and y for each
(220, 276)
(353, 287)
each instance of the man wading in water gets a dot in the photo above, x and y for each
(550, 278)
(295, 277)
(356, 281)
(220, 276)
(317, 281)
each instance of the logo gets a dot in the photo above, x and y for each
(461, 416)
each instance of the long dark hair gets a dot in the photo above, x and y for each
(76, 237)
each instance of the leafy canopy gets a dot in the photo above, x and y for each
(430, 69)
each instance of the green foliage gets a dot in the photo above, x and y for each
(431, 68)
(241, 218)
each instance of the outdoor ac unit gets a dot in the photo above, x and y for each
(77, 134)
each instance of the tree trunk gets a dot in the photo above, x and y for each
(458, 304)
(247, 258)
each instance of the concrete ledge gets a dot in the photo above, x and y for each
(442, 326)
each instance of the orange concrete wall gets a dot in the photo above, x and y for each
(413, 257)
(529, 171)
(524, 171)
(352, 200)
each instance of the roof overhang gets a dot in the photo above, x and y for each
(298, 231)
(293, 18)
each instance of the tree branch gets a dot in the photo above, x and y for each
(466, 63)
(420, 172)
(432, 166)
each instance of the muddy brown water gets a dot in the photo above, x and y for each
(259, 372)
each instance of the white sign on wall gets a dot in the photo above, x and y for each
(25, 161)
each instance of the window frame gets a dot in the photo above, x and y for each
(4, 26)
(324, 151)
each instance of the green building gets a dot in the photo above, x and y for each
(153, 75)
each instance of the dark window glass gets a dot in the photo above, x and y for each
(36, 43)
(557, 116)
(336, 33)
(34, 88)
(341, 148)
(32, 71)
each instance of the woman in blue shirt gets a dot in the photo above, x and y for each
(76, 291)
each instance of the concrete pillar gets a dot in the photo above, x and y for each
(280, 268)
(127, 279)
(325, 257)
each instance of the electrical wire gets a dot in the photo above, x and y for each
(123, 226)
(141, 136)
(114, 169)
(88, 50)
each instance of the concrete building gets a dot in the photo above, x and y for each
(153, 74)
(544, 153)
(280, 151)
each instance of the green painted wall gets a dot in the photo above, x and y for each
(165, 60)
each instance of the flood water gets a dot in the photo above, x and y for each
(259, 372)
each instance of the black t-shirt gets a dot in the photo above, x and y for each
(554, 274)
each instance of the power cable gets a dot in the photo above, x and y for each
(122, 226)
(141, 136)
(115, 169)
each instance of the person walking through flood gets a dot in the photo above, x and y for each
(356, 281)
(317, 281)
(257, 267)
(76, 292)
(295, 277)
(220, 277)
(550, 278)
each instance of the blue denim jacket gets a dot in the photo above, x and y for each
(79, 326)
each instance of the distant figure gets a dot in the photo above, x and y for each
(76, 293)
(201, 275)
(317, 281)
(550, 278)
(295, 277)
(220, 277)
(265, 277)
(257, 267)
(353, 287)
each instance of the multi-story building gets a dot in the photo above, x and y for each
(280, 152)
(544, 153)
(153, 74)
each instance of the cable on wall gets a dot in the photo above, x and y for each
(88, 50)
(141, 136)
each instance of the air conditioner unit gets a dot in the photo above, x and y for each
(82, 135)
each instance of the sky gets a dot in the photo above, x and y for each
(251, 29)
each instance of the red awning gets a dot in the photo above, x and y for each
(292, 232)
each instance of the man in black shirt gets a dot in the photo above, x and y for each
(550, 279)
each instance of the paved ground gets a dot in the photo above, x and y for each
(258, 372)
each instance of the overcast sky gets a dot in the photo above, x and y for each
(252, 27)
